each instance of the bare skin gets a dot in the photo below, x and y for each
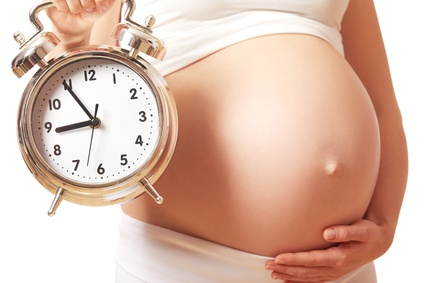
(315, 165)
(264, 163)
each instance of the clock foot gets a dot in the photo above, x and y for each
(151, 191)
(56, 201)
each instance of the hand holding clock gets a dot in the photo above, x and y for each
(74, 19)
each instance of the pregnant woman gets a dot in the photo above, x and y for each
(291, 158)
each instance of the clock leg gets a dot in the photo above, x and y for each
(56, 201)
(151, 191)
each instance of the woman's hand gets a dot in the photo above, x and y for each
(358, 244)
(73, 20)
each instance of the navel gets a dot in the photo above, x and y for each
(331, 167)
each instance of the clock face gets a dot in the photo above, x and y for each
(95, 121)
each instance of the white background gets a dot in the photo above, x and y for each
(78, 244)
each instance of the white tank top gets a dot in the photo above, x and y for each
(193, 29)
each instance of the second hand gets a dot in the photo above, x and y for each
(92, 134)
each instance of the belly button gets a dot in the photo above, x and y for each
(331, 168)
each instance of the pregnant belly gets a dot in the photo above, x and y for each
(276, 142)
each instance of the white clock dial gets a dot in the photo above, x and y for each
(96, 121)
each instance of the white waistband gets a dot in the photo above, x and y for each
(155, 254)
(148, 253)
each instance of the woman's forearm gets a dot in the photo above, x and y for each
(390, 188)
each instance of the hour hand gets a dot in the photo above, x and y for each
(76, 126)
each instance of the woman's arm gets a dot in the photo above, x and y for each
(370, 237)
(366, 53)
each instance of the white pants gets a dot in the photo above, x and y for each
(151, 254)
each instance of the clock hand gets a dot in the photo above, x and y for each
(70, 127)
(69, 89)
(92, 133)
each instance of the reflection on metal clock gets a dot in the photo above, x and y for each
(97, 125)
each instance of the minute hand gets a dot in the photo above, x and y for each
(69, 89)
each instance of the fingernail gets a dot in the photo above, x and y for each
(329, 234)
(279, 261)
(269, 266)
(102, 9)
(276, 277)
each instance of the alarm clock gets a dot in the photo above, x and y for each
(97, 125)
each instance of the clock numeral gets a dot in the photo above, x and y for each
(143, 117)
(100, 169)
(124, 160)
(77, 162)
(90, 75)
(48, 126)
(57, 151)
(68, 85)
(114, 78)
(54, 104)
(139, 140)
(133, 93)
